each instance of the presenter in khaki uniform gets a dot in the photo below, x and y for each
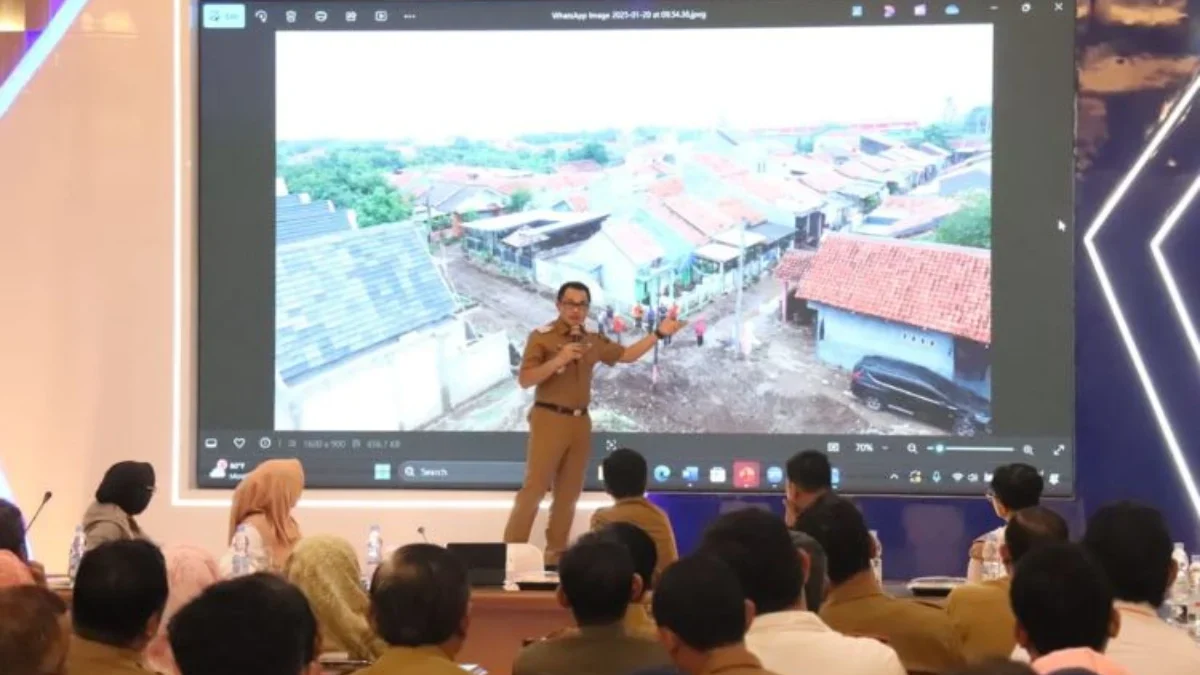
(558, 363)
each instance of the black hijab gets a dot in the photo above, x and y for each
(127, 485)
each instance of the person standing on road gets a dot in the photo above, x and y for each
(558, 363)
(700, 326)
(637, 316)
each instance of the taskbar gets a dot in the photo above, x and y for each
(715, 463)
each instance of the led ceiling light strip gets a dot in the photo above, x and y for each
(1165, 128)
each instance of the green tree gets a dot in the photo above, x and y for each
(518, 200)
(969, 226)
(592, 150)
(351, 179)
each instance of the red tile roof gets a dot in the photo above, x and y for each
(719, 165)
(659, 210)
(794, 264)
(580, 166)
(634, 242)
(667, 187)
(775, 190)
(825, 182)
(740, 211)
(932, 286)
(578, 202)
(702, 215)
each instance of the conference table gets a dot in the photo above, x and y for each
(502, 621)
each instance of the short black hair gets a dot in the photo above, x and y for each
(574, 286)
(30, 629)
(700, 600)
(119, 588)
(1017, 486)
(624, 473)
(252, 625)
(757, 546)
(1132, 544)
(1032, 527)
(596, 575)
(641, 549)
(12, 530)
(840, 529)
(419, 596)
(810, 471)
(1062, 599)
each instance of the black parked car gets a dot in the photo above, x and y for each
(881, 383)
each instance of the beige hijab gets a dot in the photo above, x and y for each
(265, 499)
(326, 570)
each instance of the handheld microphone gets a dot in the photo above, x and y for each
(421, 531)
(45, 498)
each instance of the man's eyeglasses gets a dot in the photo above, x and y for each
(577, 305)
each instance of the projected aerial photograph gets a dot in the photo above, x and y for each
(815, 202)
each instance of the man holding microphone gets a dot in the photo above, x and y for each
(558, 363)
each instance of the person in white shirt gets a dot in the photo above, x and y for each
(787, 639)
(1013, 487)
(1131, 542)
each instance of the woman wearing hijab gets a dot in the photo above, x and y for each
(190, 570)
(124, 492)
(326, 569)
(263, 502)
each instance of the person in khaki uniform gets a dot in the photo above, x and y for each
(597, 582)
(419, 602)
(982, 612)
(923, 636)
(702, 618)
(117, 604)
(558, 363)
(625, 475)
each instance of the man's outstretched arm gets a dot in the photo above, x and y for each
(638, 349)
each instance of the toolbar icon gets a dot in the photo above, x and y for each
(290, 16)
(889, 11)
(264, 443)
(239, 443)
(951, 10)
(937, 476)
(261, 15)
(972, 478)
(691, 474)
(381, 16)
(351, 17)
(716, 475)
(833, 447)
(210, 443)
(662, 472)
(383, 472)
(957, 476)
(746, 475)
(914, 477)
(920, 10)
(1054, 479)
(856, 11)
(321, 16)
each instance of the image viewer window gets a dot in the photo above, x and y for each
(862, 210)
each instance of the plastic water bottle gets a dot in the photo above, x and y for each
(877, 559)
(993, 568)
(241, 552)
(374, 554)
(1181, 590)
(76, 554)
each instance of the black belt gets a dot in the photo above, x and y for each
(562, 410)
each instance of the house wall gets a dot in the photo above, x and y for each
(617, 272)
(399, 387)
(843, 338)
(550, 273)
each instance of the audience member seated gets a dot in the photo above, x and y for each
(638, 621)
(263, 502)
(12, 539)
(1002, 667)
(419, 601)
(597, 582)
(14, 572)
(253, 625)
(981, 611)
(190, 570)
(34, 633)
(1013, 487)
(124, 492)
(1064, 610)
(1133, 546)
(119, 596)
(326, 569)
(702, 616)
(922, 636)
(785, 637)
(625, 477)
(809, 482)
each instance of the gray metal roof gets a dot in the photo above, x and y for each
(346, 293)
(296, 221)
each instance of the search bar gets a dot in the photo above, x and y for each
(461, 472)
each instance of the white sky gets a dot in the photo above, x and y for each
(437, 84)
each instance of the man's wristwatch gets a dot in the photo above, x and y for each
(659, 334)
